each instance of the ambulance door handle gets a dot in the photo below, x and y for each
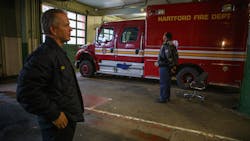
(111, 50)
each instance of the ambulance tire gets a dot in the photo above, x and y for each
(86, 68)
(185, 76)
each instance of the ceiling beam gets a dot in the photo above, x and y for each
(124, 9)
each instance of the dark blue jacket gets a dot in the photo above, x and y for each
(168, 55)
(47, 84)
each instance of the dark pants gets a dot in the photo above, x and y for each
(51, 133)
(165, 83)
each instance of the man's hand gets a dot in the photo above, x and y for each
(156, 64)
(173, 70)
(61, 121)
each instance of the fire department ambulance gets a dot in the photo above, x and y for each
(210, 36)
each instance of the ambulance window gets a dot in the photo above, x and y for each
(129, 34)
(106, 35)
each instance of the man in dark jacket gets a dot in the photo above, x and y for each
(47, 85)
(167, 61)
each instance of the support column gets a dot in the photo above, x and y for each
(30, 13)
(245, 89)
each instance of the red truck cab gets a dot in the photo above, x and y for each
(119, 45)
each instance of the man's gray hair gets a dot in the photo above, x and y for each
(48, 19)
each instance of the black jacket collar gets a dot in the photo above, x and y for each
(51, 43)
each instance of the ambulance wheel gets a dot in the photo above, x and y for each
(86, 68)
(185, 76)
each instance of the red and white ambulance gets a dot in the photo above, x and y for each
(210, 36)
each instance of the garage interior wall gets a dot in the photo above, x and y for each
(20, 29)
(10, 36)
(20, 33)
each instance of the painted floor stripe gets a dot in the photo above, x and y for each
(162, 124)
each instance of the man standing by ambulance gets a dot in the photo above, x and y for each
(47, 85)
(167, 61)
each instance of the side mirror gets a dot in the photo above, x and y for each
(106, 41)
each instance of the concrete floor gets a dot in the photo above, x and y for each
(123, 109)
